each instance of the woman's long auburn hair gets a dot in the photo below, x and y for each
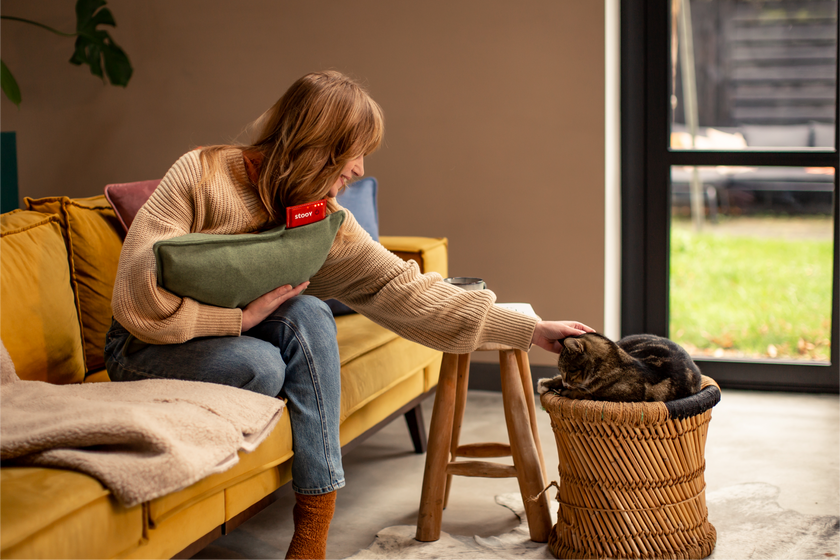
(322, 122)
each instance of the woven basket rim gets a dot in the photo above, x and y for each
(644, 413)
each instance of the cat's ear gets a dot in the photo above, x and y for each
(574, 345)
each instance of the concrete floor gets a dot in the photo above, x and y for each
(788, 440)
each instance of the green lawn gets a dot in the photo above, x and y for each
(741, 295)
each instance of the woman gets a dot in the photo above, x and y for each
(312, 143)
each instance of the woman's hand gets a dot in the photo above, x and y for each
(255, 312)
(547, 334)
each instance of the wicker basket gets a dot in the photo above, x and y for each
(631, 477)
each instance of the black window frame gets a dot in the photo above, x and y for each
(646, 161)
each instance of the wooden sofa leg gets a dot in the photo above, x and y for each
(414, 419)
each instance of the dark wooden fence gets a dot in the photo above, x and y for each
(764, 61)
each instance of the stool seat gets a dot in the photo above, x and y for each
(444, 451)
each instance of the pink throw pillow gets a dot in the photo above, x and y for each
(127, 198)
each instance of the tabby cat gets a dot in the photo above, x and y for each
(641, 367)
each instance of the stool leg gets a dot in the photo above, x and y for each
(437, 454)
(523, 449)
(528, 388)
(461, 387)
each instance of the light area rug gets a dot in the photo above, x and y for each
(749, 521)
(398, 542)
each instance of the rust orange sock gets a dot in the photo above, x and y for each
(312, 516)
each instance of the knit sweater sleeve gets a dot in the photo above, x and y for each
(146, 310)
(419, 307)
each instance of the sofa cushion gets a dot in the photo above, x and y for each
(777, 136)
(68, 505)
(360, 199)
(822, 135)
(37, 296)
(393, 398)
(191, 525)
(94, 241)
(127, 198)
(358, 335)
(366, 370)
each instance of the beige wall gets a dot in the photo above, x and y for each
(494, 117)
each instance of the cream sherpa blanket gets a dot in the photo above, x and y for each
(141, 439)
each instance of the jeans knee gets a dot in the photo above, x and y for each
(308, 310)
(260, 374)
(311, 304)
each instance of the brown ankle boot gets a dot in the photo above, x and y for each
(312, 515)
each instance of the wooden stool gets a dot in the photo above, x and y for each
(444, 449)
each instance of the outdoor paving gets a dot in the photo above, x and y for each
(780, 227)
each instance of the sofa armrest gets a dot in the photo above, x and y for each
(431, 253)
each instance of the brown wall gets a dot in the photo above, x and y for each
(494, 117)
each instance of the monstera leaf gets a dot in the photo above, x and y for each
(94, 47)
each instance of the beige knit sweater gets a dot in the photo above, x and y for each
(358, 271)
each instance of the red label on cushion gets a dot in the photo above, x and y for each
(306, 214)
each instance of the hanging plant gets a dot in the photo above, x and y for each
(93, 47)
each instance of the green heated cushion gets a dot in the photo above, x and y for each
(234, 270)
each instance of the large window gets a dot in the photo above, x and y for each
(729, 185)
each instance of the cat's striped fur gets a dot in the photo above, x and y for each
(642, 367)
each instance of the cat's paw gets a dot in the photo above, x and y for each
(549, 385)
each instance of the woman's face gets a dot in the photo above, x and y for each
(354, 168)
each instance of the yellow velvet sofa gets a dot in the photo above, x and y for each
(59, 258)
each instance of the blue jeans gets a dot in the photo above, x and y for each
(292, 354)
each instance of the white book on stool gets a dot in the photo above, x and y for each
(524, 308)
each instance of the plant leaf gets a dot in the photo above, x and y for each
(84, 12)
(9, 84)
(79, 55)
(95, 46)
(117, 65)
(103, 17)
(89, 53)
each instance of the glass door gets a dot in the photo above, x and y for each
(752, 277)
(739, 186)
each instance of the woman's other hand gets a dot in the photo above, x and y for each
(255, 312)
(547, 334)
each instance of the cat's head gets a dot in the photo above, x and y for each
(581, 357)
